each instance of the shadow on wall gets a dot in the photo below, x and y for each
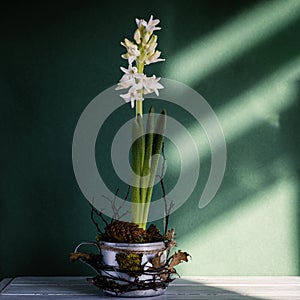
(256, 122)
(290, 141)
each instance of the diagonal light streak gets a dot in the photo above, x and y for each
(261, 104)
(212, 52)
(275, 205)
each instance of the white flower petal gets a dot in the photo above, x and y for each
(124, 70)
(151, 25)
(139, 22)
(131, 59)
(133, 94)
(151, 85)
(137, 36)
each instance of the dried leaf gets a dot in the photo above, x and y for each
(177, 258)
(165, 275)
(156, 261)
(79, 255)
(170, 245)
(87, 257)
(170, 234)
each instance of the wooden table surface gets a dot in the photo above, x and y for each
(185, 288)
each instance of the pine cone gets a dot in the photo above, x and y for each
(126, 232)
(154, 234)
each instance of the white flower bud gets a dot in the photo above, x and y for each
(150, 48)
(146, 37)
(153, 39)
(137, 36)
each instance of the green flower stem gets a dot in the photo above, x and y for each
(146, 150)
(141, 144)
(139, 103)
(142, 153)
(140, 67)
(147, 163)
(136, 155)
(139, 107)
(158, 139)
(148, 153)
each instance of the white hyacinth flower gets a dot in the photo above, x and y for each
(129, 78)
(139, 22)
(155, 57)
(131, 71)
(151, 85)
(137, 36)
(142, 51)
(132, 51)
(150, 26)
(125, 82)
(134, 94)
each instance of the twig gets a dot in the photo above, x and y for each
(99, 214)
(167, 209)
(94, 221)
(116, 210)
(127, 194)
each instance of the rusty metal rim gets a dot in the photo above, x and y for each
(130, 248)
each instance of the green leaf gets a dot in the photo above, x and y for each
(136, 163)
(158, 139)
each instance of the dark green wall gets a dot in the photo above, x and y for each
(55, 58)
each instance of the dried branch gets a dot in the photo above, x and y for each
(99, 214)
(94, 221)
(128, 191)
(116, 210)
(167, 208)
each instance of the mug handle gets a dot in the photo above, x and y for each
(76, 250)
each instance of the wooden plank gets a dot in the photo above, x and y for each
(187, 280)
(4, 282)
(187, 288)
(37, 297)
(239, 279)
(51, 280)
(46, 290)
(163, 297)
(73, 290)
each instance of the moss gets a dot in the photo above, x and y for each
(130, 262)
